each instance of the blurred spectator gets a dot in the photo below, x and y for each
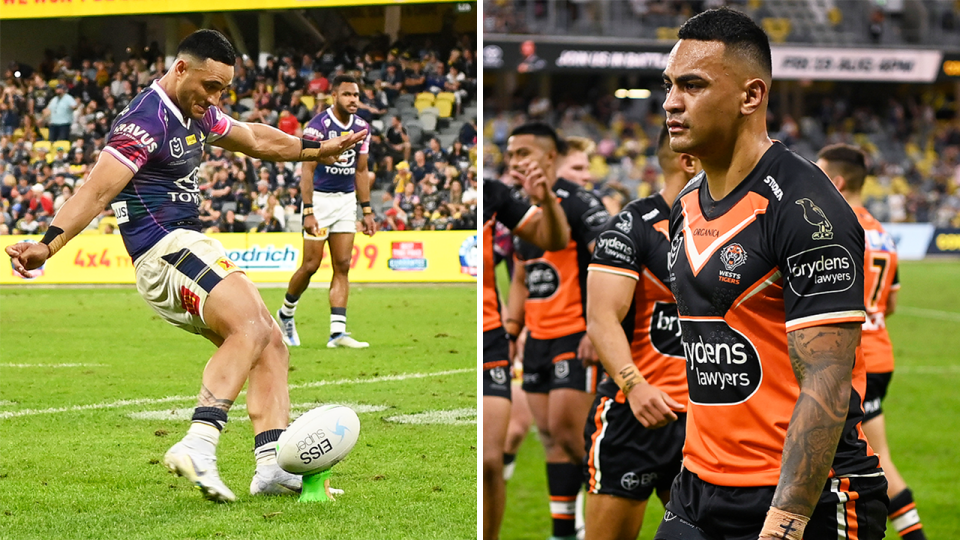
(404, 202)
(229, 224)
(60, 111)
(270, 222)
(398, 141)
(421, 167)
(419, 221)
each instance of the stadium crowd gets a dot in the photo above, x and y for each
(55, 118)
(913, 145)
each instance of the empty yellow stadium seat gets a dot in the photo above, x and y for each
(445, 107)
(778, 28)
(308, 102)
(60, 144)
(446, 96)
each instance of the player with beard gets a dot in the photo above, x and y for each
(846, 167)
(547, 228)
(635, 432)
(548, 295)
(336, 189)
(767, 266)
(148, 170)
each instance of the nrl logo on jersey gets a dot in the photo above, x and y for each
(176, 147)
(626, 222)
(815, 216)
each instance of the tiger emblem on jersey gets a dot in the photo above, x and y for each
(733, 256)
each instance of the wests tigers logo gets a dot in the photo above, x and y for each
(733, 256)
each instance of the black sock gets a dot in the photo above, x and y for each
(564, 480)
(904, 516)
(210, 415)
(289, 307)
(509, 465)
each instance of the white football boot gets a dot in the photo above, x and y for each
(187, 459)
(343, 339)
(289, 328)
(270, 479)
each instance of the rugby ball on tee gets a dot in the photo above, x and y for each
(318, 439)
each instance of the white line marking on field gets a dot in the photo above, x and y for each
(929, 313)
(456, 417)
(170, 399)
(927, 370)
(4, 403)
(296, 408)
(49, 365)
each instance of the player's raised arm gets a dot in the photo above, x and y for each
(548, 229)
(107, 178)
(269, 143)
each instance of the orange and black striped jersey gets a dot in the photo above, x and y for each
(880, 277)
(498, 205)
(783, 251)
(557, 280)
(635, 244)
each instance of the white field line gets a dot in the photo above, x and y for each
(456, 417)
(169, 399)
(295, 409)
(926, 370)
(49, 365)
(951, 316)
(4, 403)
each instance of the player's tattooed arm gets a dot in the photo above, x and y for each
(822, 358)
(207, 399)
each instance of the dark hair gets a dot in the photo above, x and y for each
(340, 79)
(735, 30)
(663, 139)
(539, 129)
(210, 44)
(849, 162)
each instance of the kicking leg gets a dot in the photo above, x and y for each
(241, 327)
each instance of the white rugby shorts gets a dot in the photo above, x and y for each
(335, 213)
(177, 274)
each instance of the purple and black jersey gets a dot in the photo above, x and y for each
(163, 149)
(339, 177)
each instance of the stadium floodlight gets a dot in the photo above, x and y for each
(633, 93)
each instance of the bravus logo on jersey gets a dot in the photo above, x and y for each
(543, 280)
(723, 366)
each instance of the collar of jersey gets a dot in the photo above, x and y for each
(166, 101)
(711, 209)
(337, 121)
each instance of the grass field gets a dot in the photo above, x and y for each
(94, 388)
(921, 411)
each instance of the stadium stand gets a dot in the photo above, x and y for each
(433, 98)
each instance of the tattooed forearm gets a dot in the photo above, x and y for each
(207, 399)
(822, 360)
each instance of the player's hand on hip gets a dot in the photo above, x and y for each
(310, 225)
(26, 256)
(369, 225)
(652, 406)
